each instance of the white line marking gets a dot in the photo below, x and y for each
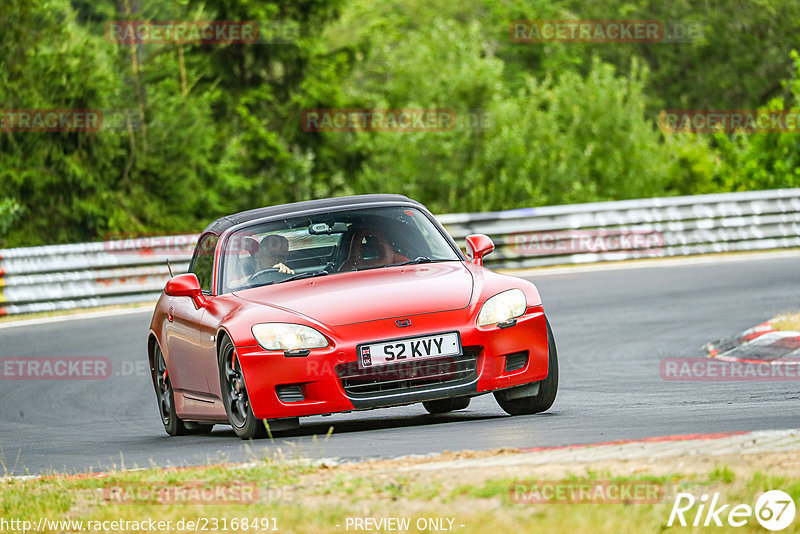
(79, 316)
(642, 264)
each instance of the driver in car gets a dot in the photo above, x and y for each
(272, 252)
(268, 255)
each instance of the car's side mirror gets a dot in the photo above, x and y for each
(478, 246)
(186, 285)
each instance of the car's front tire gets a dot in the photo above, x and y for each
(173, 425)
(548, 388)
(446, 405)
(234, 395)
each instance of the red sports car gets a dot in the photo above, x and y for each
(337, 305)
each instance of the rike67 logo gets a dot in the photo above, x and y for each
(774, 510)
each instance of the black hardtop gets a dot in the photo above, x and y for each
(296, 208)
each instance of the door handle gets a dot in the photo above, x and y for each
(169, 313)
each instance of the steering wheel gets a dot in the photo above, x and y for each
(255, 278)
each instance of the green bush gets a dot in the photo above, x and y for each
(213, 129)
(764, 160)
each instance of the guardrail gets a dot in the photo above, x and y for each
(133, 270)
(630, 229)
(84, 275)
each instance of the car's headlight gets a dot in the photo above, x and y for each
(287, 336)
(502, 307)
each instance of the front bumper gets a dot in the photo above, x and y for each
(328, 380)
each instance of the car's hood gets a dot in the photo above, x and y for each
(355, 297)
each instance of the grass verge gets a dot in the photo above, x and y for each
(278, 495)
(787, 321)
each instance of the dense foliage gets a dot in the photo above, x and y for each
(202, 130)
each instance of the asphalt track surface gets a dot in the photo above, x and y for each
(612, 328)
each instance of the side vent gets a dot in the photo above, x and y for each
(290, 393)
(516, 361)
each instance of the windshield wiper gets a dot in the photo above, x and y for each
(416, 261)
(300, 276)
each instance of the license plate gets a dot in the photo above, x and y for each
(409, 349)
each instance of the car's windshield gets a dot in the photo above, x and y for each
(331, 243)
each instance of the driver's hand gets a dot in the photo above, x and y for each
(283, 268)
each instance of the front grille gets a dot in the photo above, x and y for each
(516, 361)
(289, 393)
(409, 376)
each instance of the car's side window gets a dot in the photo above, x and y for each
(203, 261)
